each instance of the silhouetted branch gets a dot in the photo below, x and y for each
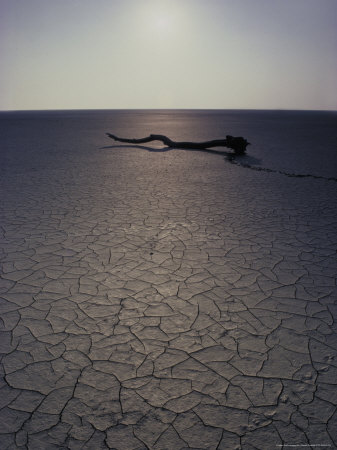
(238, 144)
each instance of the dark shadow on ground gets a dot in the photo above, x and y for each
(248, 159)
(166, 149)
(142, 147)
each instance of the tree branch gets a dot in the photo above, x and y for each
(238, 144)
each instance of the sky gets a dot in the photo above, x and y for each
(189, 54)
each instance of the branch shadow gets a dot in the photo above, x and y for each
(245, 159)
(229, 156)
(149, 149)
(167, 149)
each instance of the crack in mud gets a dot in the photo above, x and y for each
(231, 159)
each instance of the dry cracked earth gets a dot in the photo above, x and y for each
(166, 300)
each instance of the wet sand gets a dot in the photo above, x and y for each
(167, 300)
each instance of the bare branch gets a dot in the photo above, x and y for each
(238, 144)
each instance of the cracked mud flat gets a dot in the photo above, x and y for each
(166, 301)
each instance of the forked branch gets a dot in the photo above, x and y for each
(238, 144)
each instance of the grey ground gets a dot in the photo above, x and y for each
(167, 300)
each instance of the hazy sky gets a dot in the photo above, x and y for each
(60, 54)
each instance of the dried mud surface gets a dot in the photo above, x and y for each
(166, 300)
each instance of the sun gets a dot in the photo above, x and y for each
(161, 14)
(162, 21)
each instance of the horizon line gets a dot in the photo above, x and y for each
(167, 109)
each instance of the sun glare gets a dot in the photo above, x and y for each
(161, 16)
(163, 22)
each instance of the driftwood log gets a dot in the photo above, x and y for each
(238, 144)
